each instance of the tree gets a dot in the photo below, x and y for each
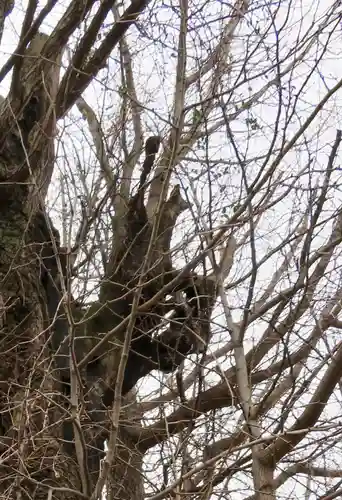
(214, 277)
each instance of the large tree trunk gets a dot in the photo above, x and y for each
(31, 452)
(63, 383)
(33, 459)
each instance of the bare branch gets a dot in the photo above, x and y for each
(76, 80)
(222, 49)
(160, 182)
(311, 414)
(158, 400)
(29, 15)
(131, 96)
(97, 135)
(301, 468)
(29, 35)
(220, 395)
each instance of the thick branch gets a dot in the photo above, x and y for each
(76, 80)
(72, 18)
(28, 120)
(29, 15)
(27, 37)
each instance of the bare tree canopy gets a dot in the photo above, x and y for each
(170, 250)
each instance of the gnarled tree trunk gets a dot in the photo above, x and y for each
(67, 369)
(34, 461)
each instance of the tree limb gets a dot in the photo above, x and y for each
(76, 80)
